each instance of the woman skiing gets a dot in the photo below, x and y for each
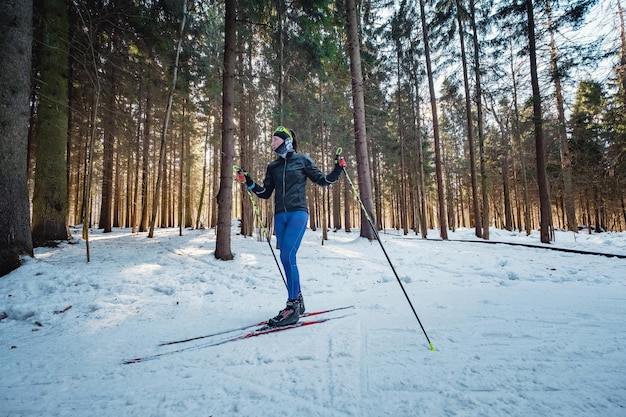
(286, 177)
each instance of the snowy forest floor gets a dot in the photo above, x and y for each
(517, 331)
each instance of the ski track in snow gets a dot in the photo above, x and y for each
(517, 331)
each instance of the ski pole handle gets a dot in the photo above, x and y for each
(241, 174)
(339, 160)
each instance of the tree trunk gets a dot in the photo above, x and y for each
(337, 192)
(481, 130)
(168, 111)
(50, 205)
(143, 224)
(314, 202)
(214, 184)
(199, 225)
(470, 129)
(518, 140)
(566, 159)
(224, 196)
(417, 126)
(347, 209)
(15, 69)
(165, 188)
(186, 139)
(401, 139)
(623, 208)
(245, 142)
(183, 209)
(134, 205)
(542, 181)
(117, 188)
(360, 134)
(622, 36)
(280, 85)
(508, 212)
(106, 207)
(443, 225)
(506, 187)
(89, 165)
(325, 193)
(378, 189)
(448, 186)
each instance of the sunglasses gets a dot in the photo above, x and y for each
(281, 129)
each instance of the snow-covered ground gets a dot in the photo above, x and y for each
(517, 331)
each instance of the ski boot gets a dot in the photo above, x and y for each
(301, 302)
(289, 315)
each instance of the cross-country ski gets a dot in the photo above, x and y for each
(261, 330)
(259, 324)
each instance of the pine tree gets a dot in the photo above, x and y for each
(542, 181)
(443, 224)
(360, 135)
(15, 62)
(50, 203)
(224, 197)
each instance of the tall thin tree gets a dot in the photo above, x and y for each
(621, 71)
(542, 180)
(470, 124)
(566, 159)
(225, 196)
(480, 121)
(360, 134)
(443, 223)
(108, 126)
(15, 62)
(168, 112)
(50, 202)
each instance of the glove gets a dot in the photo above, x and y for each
(241, 176)
(340, 162)
(244, 178)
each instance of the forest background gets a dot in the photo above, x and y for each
(450, 113)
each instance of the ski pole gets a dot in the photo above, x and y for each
(369, 220)
(258, 216)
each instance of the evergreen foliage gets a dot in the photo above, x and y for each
(102, 71)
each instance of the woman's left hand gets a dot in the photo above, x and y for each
(340, 161)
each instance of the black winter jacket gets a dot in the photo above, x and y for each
(288, 178)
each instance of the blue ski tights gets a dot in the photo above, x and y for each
(290, 227)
